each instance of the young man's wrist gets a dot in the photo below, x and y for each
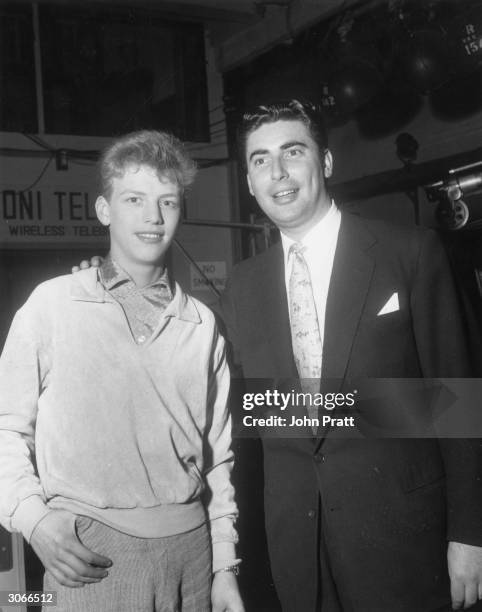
(224, 555)
(28, 515)
(230, 569)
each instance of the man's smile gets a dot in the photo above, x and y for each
(150, 236)
(285, 195)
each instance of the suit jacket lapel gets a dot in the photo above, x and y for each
(350, 280)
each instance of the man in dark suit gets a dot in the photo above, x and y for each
(360, 525)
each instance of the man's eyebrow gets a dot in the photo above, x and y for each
(134, 191)
(293, 143)
(283, 147)
(168, 194)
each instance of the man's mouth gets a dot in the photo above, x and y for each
(285, 194)
(150, 236)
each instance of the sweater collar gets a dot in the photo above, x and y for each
(87, 287)
(112, 275)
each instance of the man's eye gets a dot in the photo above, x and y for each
(134, 199)
(169, 203)
(259, 161)
(293, 152)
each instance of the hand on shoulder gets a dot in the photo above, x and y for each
(94, 262)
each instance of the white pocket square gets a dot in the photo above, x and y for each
(391, 306)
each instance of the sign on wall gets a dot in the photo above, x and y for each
(215, 271)
(50, 215)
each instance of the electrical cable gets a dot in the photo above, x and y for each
(198, 268)
(38, 141)
(44, 170)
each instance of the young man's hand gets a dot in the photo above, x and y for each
(56, 543)
(225, 595)
(95, 262)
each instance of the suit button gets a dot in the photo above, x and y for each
(320, 458)
(311, 514)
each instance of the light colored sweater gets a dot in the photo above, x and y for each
(128, 434)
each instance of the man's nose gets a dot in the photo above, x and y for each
(153, 213)
(278, 169)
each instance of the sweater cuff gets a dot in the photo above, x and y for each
(224, 555)
(28, 514)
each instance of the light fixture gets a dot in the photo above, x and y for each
(452, 212)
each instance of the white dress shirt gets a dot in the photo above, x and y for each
(320, 243)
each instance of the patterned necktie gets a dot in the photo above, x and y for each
(305, 331)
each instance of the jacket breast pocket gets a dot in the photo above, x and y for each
(390, 320)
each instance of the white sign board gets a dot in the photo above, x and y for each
(215, 271)
(53, 215)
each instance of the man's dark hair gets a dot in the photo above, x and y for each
(285, 110)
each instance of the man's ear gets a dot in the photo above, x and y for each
(102, 208)
(327, 164)
(249, 185)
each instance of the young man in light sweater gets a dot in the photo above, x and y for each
(115, 436)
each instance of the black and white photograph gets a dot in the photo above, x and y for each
(241, 305)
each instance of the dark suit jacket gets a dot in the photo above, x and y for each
(387, 506)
